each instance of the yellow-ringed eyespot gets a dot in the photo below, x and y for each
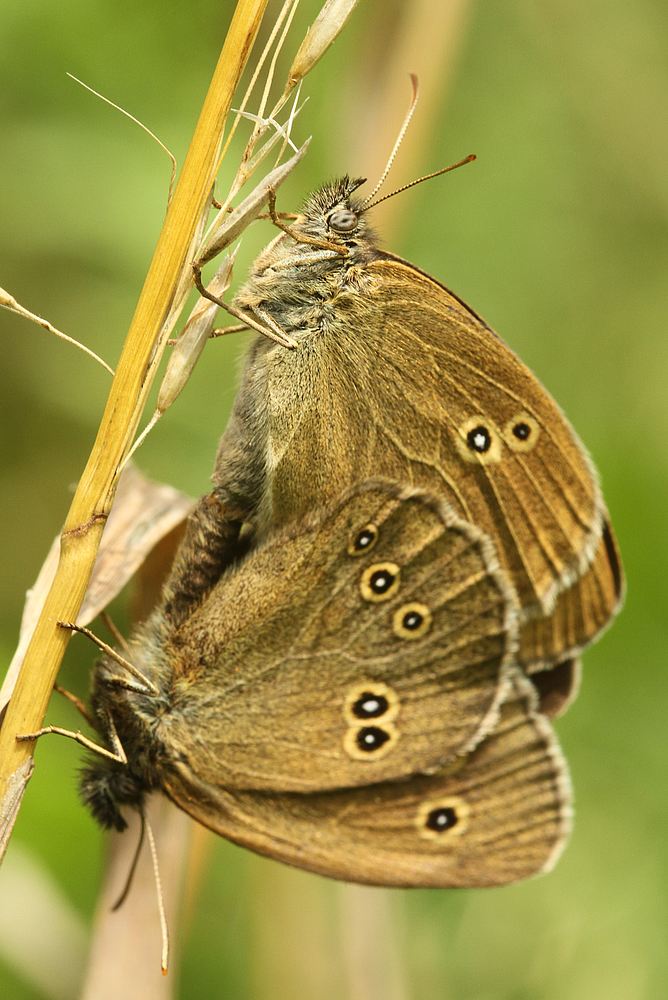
(380, 582)
(369, 743)
(363, 540)
(411, 621)
(521, 433)
(370, 700)
(477, 440)
(441, 819)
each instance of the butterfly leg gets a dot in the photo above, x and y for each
(271, 328)
(305, 260)
(147, 686)
(117, 754)
(119, 638)
(114, 681)
(223, 331)
(301, 237)
(263, 315)
(273, 332)
(74, 699)
(247, 320)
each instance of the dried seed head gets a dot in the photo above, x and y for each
(228, 225)
(319, 37)
(195, 334)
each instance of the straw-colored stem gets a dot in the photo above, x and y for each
(92, 500)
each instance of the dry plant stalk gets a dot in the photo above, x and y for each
(166, 288)
(8, 301)
(144, 512)
(92, 501)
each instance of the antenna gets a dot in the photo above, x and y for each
(426, 177)
(395, 149)
(164, 930)
(133, 867)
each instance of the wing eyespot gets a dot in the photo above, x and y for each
(371, 738)
(370, 709)
(380, 582)
(411, 621)
(363, 540)
(442, 819)
(370, 700)
(370, 705)
(370, 743)
(521, 433)
(478, 441)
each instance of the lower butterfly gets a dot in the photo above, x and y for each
(345, 699)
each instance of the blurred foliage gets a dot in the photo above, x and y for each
(558, 236)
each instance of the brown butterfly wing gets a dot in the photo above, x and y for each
(549, 647)
(396, 377)
(580, 613)
(314, 680)
(497, 816)
(558, 687)
(508, 460)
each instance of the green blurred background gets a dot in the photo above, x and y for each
(558, 236)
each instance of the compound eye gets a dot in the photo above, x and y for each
(343, 220)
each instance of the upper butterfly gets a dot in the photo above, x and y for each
(395, 376)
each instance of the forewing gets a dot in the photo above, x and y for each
(479, 429)
(580, 614)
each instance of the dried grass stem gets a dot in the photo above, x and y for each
(92, 500)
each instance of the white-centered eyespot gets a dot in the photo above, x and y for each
(380, 582)
(478, 440)
(370, 742)
(442, 819)
(411, 621)
(363, 540)
(370, 700)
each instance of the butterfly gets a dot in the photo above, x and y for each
(345, 699)
(395, 376)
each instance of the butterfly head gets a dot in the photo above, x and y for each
(334, 214)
